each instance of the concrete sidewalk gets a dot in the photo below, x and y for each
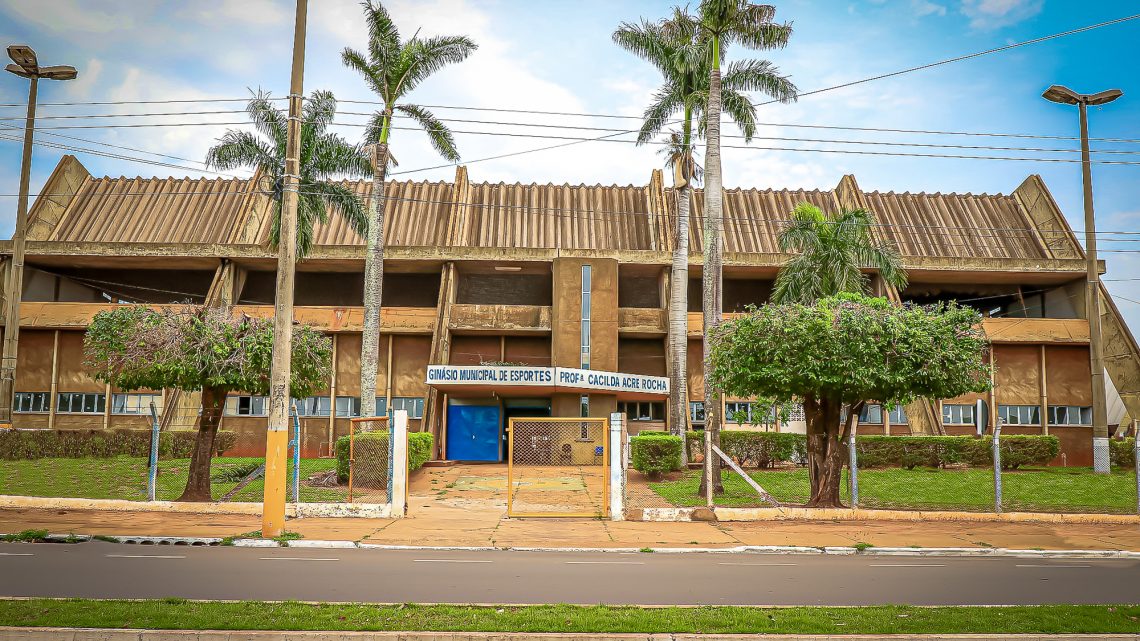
(454, 526)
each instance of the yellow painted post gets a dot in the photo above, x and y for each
(277, 434)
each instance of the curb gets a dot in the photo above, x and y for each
(292, 510)
(80, 634)
(740, 549)
(762, 514)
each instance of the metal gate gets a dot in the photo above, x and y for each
(557, 467)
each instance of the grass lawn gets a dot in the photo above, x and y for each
(125, 477)
(196, 615)
(1050, 489)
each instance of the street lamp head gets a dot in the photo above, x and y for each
(59, 72)
(24, 56)
(1066, 96)
(1062, 95)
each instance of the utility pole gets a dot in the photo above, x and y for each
(1066, 96)
(277, 434)
(26, 66)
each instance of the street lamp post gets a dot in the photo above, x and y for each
(26, 66)
(1066, 96)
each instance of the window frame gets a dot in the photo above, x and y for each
(948, 410)
(143, 409)
(84, 397)
(1004, 412)
(43, 397)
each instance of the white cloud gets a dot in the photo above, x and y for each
(251, 12)
(75, 16)
(923, 8)
(995, 14)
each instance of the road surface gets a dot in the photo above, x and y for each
(107, 570)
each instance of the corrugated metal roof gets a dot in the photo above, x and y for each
(462, 214)
(152, 210)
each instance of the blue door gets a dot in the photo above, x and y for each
(473, 432)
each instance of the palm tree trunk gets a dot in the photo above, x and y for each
(713, 298)
(373, 283)
(679, 319)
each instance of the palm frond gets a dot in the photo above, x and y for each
(429, 56)
(372, 75)
(741, 110)
(438, 133)
(236, 149)
(343, 201)
(667, 101)
(383, 36)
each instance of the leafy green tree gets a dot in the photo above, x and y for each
(843, 352)
(324, 157)
(724, 23)
(392, 69)
(192, 349)
(831, 254)
(679, 51)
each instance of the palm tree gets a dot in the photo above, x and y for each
(725, 22)
(831, 254)
(324, 156)
(676, 49)
(392, 69)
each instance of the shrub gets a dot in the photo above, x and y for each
(1016, 450)
(751, 448)
(654, 453)
(1120, 452)
(909, 452)
(36, 444)
(371, 451)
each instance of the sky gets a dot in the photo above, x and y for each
(558, 56)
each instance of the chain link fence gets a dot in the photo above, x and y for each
(901, 473)
(369, 460)
(557, 467)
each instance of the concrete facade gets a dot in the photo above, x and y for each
(493, 274)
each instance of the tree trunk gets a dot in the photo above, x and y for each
(198, 481)
(373, 283)
(826, 442)
(712, 302)
(679, 320)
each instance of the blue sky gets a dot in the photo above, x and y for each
(558, 56)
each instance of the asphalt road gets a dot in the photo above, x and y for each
(107, 570)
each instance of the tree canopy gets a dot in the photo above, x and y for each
(852, 348)
(136, 347)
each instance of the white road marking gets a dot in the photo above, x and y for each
(448, 561)
(16, 554)
(1046, 565)
(907, 565)
(294, 558)
(144, 556)
(759, 564)
(604, 563)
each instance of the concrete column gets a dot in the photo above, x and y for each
(398, 459)
(617, 466)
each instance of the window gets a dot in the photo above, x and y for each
(898, 415)
(29, 402)
(748, 412)
(346, 406)
(414, 405)
(246, 405)
(642, 411)
(697, 412)
(1019, 414)
(585, 315)
(871, 413)
(957, 414)
(135, 403)
(1070, 415)
(81, 403)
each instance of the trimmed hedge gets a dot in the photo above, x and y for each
(765, 449)
(752, 448)
(1120, 452)
(655, 453)
(36, 444)
(371, 448)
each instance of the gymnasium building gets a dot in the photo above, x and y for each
(540, 300)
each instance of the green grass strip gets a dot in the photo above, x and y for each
(168, 614)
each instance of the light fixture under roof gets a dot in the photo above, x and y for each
(508, 268)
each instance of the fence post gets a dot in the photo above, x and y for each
(853, 471)
(1136, 465)
(152, 468)
(996, 448)
(295, 481)
(617, 460)
(398, 463)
